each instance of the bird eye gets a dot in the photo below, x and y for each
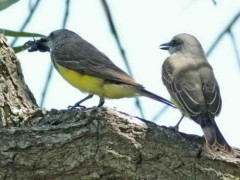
(174, 42)
(51, 34)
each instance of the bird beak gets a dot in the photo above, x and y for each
(165, 46)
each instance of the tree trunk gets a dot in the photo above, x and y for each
(16, 101)
(97, 143)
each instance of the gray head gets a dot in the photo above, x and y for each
(61, 34)
(54, 39)
(184, 43)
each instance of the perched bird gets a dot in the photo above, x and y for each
(190, 80)
(88, 69)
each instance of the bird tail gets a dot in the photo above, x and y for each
(214, 138)
(144, 92)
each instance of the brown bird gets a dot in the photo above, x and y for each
(190, 80)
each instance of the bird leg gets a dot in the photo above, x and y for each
(176, 127)
(101, 102)
(79, 102)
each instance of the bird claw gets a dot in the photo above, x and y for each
(174, 128)
(76, 106)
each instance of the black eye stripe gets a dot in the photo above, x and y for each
(176, 42)
(51, 35)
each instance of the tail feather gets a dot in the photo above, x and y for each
(153, 96)
(214, 138)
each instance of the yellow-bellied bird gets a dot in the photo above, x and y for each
(190, 80)
(88, 69)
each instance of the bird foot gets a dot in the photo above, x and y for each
(76, 106)
(174, 128)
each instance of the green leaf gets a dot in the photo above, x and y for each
(7, 32)
(18, 49)
(6, 3)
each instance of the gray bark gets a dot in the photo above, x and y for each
(97, 143)
(16, 101)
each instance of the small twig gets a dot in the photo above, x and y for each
(214, 2)
(161, 112)
(222, 34)
(121, 49)
(32, 10)
(50, 71)
(44, 91)
(235, 47)
(66, 14)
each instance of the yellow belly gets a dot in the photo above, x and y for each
(95, 85)
(115, 91)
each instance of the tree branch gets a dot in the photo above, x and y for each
(16, 101)
(226, 30)
(101, 143)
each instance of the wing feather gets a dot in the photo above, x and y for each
(212, 94)
(84, 58)
(184, 90)
(192, 85)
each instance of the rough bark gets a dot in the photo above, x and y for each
(16, 101)
(97, 143)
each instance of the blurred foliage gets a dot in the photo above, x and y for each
(6, 3)
(18, 49)
(19, 34)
